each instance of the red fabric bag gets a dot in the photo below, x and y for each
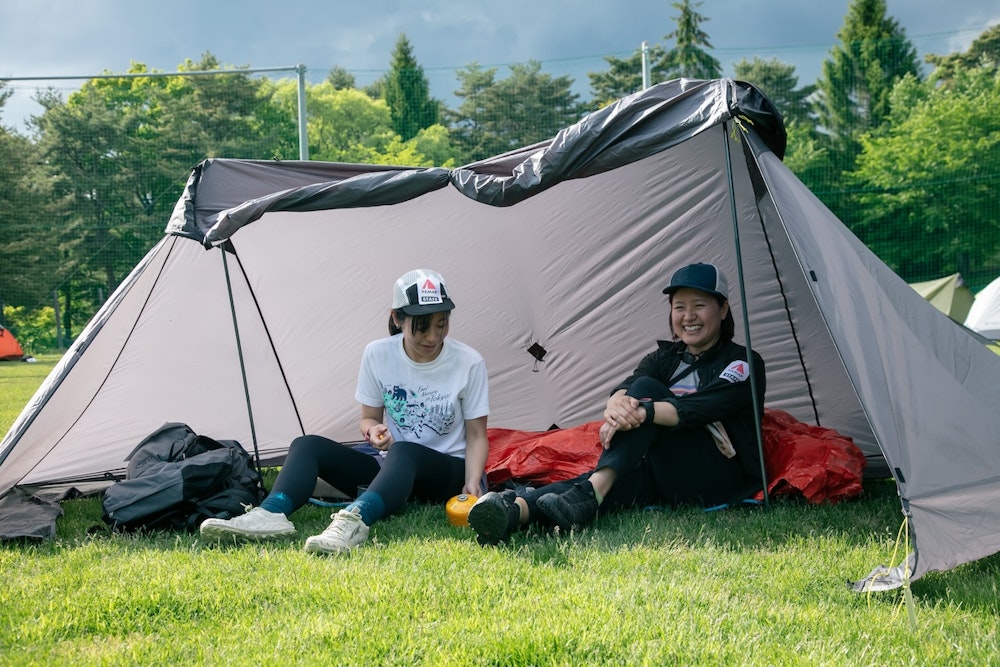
(541, 457)
(818, 463)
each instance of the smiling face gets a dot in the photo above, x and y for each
(696, 318)
(424, 346)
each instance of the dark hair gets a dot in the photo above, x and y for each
(418, 323)
(726, 330)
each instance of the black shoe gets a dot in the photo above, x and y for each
(570, 509)
(495, 517)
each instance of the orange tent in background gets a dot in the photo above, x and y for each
(10, 349)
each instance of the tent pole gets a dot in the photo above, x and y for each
(754, 390)
(224, 248)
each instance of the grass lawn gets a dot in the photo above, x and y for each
(737, 587)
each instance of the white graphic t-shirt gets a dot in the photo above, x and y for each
(426, 403)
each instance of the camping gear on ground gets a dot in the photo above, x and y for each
(457, 509)
(176, 479)
(10, 349)
(811, 462)
(561, 249)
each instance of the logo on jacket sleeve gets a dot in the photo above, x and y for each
(737, 371)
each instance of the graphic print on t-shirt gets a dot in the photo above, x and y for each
(419, 412)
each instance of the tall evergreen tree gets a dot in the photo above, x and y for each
(873, 53)
(689, 58)
(853, 96)
(407, 93)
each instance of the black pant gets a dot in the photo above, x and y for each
(408, 470)
(657, 465)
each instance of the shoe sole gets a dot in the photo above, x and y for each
(220, 532)
(489, 520)
(313, 548)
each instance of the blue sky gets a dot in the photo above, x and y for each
(569, 37)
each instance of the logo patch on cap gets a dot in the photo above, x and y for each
(737, 371)
(429, 292)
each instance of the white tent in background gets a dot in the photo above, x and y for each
(984, 316)
(248, 319)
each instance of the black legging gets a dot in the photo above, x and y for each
(661, 466)
(408, 470)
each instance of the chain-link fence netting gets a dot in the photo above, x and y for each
(908, 156)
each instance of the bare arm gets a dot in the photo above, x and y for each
(477, 448)
(373, 429)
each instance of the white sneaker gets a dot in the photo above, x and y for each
(257, 524)
(344, 533)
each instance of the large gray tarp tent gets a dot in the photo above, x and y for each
(563, 245)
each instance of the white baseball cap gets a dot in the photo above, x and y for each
(419, 292)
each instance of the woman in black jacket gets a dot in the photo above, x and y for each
(679, 430)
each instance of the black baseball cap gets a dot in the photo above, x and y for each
(706, 277)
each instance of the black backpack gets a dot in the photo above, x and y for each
(176, 479)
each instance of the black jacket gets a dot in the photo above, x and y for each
(724, 393)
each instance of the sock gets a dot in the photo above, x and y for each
(369, 505)
(278, 503)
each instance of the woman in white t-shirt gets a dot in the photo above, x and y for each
(424, 403)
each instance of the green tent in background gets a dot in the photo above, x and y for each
(950, 295)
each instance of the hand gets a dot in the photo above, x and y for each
(473, 488)
(606, 433)
(379, 437)
(624, 413)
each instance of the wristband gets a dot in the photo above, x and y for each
(647, 404)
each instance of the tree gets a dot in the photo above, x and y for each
(407, 93)
(624, 76)
(119, 151)
(933, 175)
(345, 125)
(983, 52)
(873, 53)
(688, 58)
(31, 239)
(225, 115)
(808, 158)
(525, 108)
(778, 81)
(468, 123)
(340, 78)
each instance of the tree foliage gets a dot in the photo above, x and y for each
(624, 76)
(933, 174)
(407, 93)
(871, 55)
(340, 78)
(983, 52)
(498, 116)
(30, 247)
(778, 81)
(689, 58)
